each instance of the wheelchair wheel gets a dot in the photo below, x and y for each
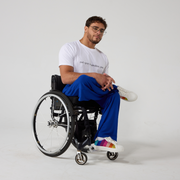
(53, 123)
(81, 158)
(112, 155)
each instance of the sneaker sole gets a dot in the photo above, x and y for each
(101, 148)
(124, 98)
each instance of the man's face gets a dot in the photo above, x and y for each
(95, 32)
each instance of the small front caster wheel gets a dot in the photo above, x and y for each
(81, 158)
(112, 155)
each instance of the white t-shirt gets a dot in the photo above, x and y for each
(83, 59)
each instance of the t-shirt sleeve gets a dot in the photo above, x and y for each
(66, 55)
(106, 69)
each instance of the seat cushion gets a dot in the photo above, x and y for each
(86, 104)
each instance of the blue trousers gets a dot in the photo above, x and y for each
(87, 88)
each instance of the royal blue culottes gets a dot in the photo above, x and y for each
(87, 88)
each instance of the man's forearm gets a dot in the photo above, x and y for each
(70, 77)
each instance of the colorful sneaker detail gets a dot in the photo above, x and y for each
(126, 95)
(107, 144)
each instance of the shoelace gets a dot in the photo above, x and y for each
(121, 89)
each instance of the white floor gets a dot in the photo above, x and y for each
(142, 159)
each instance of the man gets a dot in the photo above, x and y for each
(84, 69)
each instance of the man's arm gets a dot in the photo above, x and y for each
(68, 76)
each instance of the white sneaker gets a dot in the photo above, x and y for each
(126, 95)
(107, 144)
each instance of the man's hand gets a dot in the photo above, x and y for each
(105, 81)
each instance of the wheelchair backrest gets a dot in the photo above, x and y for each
(56, 83)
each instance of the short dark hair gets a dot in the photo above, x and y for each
(94, 19)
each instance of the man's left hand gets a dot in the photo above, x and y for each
(109, 82)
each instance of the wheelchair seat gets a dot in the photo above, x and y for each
(59, 120)
(57, 85)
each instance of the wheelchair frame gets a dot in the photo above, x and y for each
(59, 120)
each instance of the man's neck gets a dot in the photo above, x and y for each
(87, 43)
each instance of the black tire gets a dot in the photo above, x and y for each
(81, 158)
(112, 155)
(53, 123)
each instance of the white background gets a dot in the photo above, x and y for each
(142, 44)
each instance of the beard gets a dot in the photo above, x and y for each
(93, 41)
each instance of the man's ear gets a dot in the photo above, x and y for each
(85, 29)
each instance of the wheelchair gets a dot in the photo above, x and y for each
(59, 120)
